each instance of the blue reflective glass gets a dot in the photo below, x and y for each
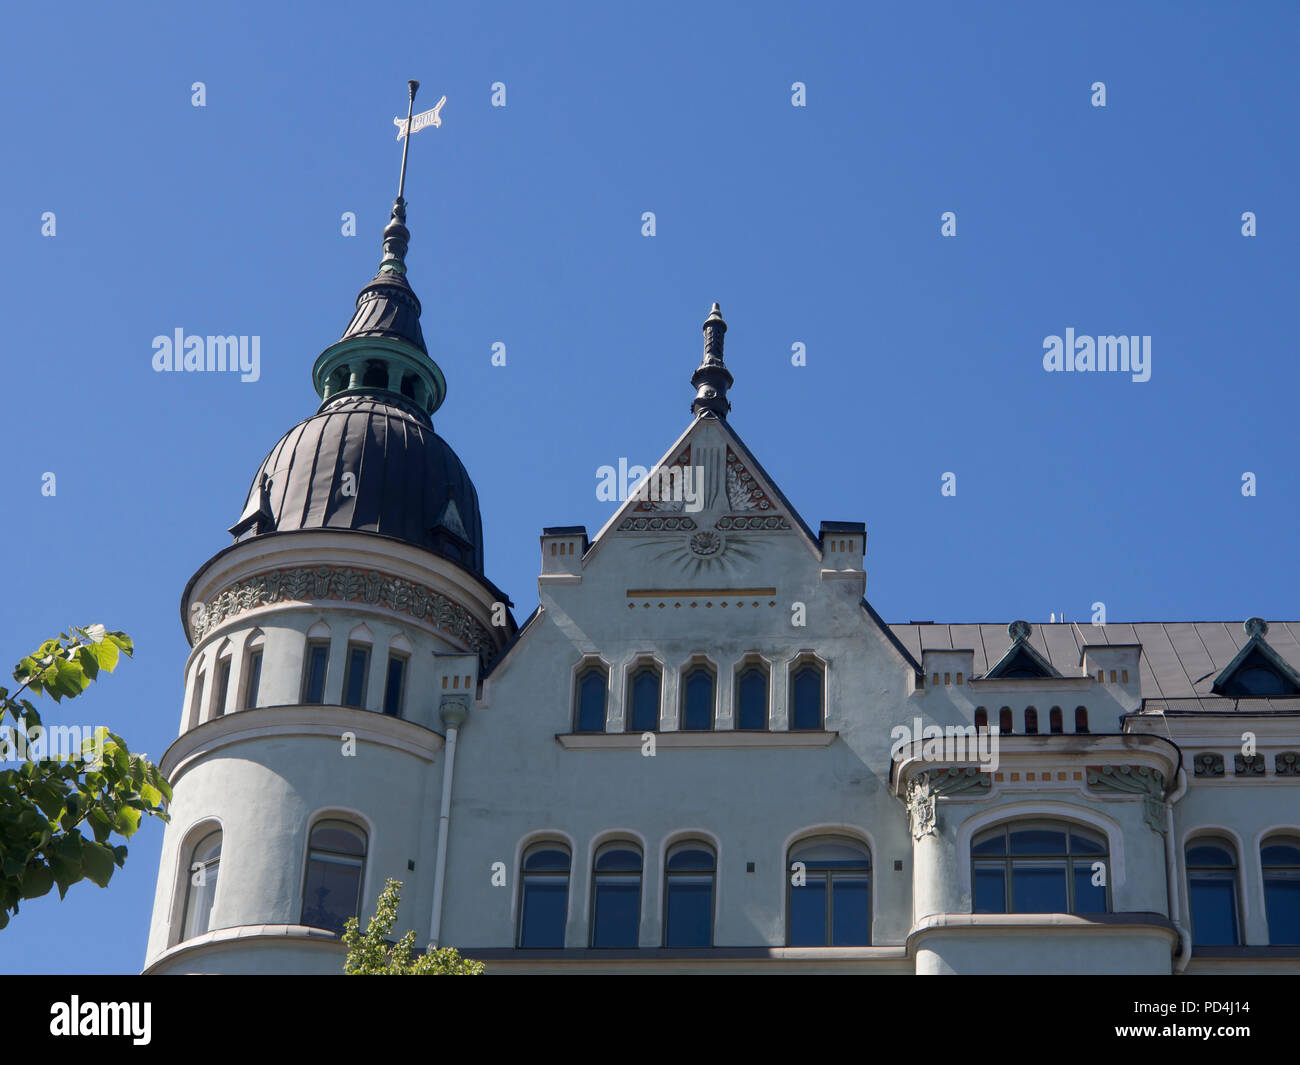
(591, 702)
(995, 844)
(689, 911)
(1037, 841)
(751, 699)
(320, 654)
(1039, 889)
(1214, 910)
(611, 861)
(353, 690)
(990, 889)
(550, 859)
(690, 859)
(1282, 901)
(698, 715)
(850, 911)
(1087, 898)
(808, 913)
(645, 702)
(617, 911)
(541, 922)
(806, 712)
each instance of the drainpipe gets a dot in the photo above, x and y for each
(453, 712)
(1171, 866)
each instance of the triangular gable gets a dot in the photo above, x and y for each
(1257, 671)
(1022, 659)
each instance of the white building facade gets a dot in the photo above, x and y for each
(704, 751)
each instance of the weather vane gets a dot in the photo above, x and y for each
(409, 125)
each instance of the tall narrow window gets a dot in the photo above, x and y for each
(223, 686)
(354, 685)
(1212, 892)
(981, 717)
(336, 863)
(254, 679)
(544, 891)
(313, 687)
(644, 691)
(616, 896)
(806, 698)
(1080, 719)
(751, 698)
(393, 685)
(1281, 861)
(201, 888)
(697, 699)
(1039, 867)
(196, 703)
(590, 697)
(1005, 725)
(829, 894)
(688, 896)
(1054, 722)
(1031, 721)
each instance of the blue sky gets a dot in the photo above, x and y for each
(817, 225)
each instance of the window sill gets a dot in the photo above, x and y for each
(717, 738)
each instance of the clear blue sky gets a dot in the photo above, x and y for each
(818, 225)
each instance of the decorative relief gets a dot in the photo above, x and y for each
(1252, 766)
(682, 462)
(706, 543)
(743, 492)
(753, 524)
(1134, 780)
(656, 524)
(348, 585)
(1287, 764)
(924, 789)
(1208, 764)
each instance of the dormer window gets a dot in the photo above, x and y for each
(1257, 671)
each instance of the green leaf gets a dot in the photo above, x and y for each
(97, 860)
(38, 878)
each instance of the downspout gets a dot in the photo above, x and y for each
(453, 713)
(1171, 867)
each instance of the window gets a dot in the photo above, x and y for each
(688, 895)
(201, 887)
(313, 686)
(806, 697)
(697, 699)
(1031, 721)
(616, 896)
(751, 698)
(1004, 721)
(1281, 861)
(590, 698)
(829, 894)
(981, 717)
(254, 680)
(1039, 867)
(544, 902)
(1080, 719)
(1212, 892)
(196, 703)
(336, 862)
(1054, 722)
(223, 686)
(644, 692)
(393, 685)
(354, 686)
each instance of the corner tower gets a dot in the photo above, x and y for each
(337, 646)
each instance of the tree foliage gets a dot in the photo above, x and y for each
(373, 955)
(54, 793)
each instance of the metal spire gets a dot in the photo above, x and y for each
(712, 378)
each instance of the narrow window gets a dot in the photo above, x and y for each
(223, 686)
(751, 698)
(201, 887)
(645, 700)
(590, 710)
(393, 685)
(829, 894)
(1281, 861)
(336, 862)
(1212, 892)
(1004, 721)
(1031, 721)
(254, 679)
(616, 896)
(1054, 721)
(806, 698)
(981, 717)
(697, 712)
(688, 896)
(1081, 719)
(354, 687)
(318, 657)
(544, 902)
(196, 703)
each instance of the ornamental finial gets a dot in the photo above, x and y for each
(712, 378)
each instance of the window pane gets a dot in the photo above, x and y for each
(994, 844)
(990, 889)
(617, 911)
(1280, 854)
(1037, 841)
(850, 911)
(645, 701)
(690, 859)
(542, 914)
(698, 713)
(690, 911)
(354, 691)
(1039, 888)
(808, 913)
(223, 684)
(254, 679)
(549, 858)
(1087, 899)
(620, 860)
(806, 712)
(1209, 855)
(1214, 910)
(751, 700)
(318, 659)
(333, 887)
(198, 909)
(393, 686)
(1080, 844)
(338, 839)
(1282, 902)
(591, 702)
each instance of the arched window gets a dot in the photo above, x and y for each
(253, 670)
(616, 895)
(1280, 858)
(313, 680)
(336, 862)
(222, 693)
(829, 884)
(196, 702)
(1004, 721)
(589, 711)
(1054, 721)
(201, 887)
(751, 697)
(1039, 867)
(643, 690)
(1080, 719)
(1212, 891)
(544, 896)
(806, 697)
(697, 699)
(1031, 721)
(981, 717)
(688, 895)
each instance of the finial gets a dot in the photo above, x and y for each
(1019, 630)
(712, 378)
(1256, 627)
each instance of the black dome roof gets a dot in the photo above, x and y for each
(407, 482)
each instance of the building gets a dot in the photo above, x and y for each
(705, 751)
